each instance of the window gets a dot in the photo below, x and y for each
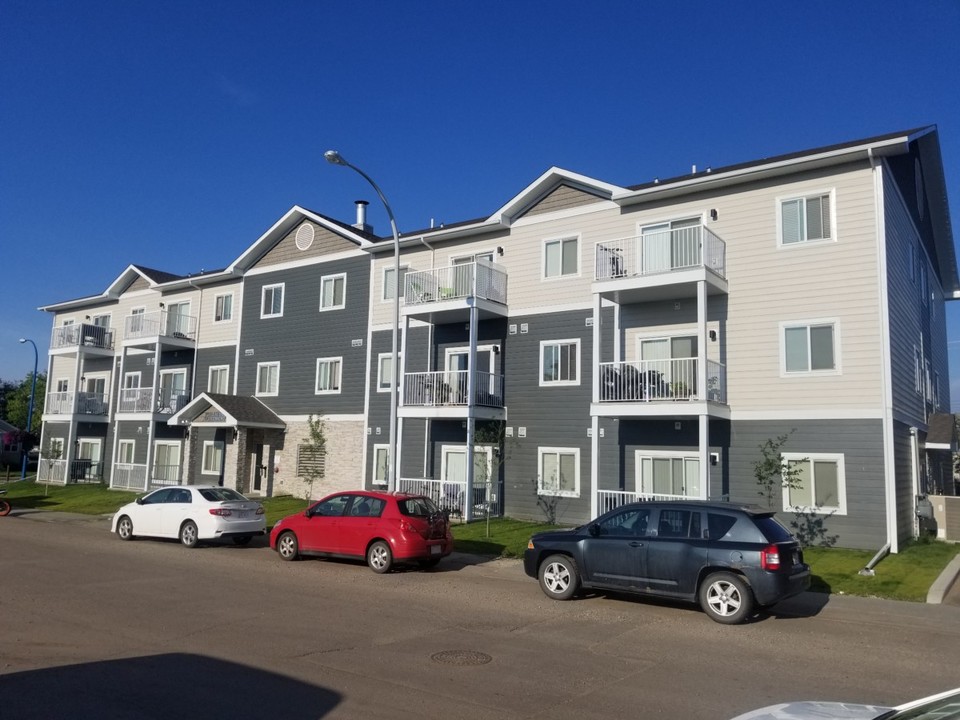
(805, 219)
(271, 301)
(381, 460)
(917, 370)
(63, 385)
(385, 371)
(212, 457)
(820, 486)
(561, 257)
(679, 524)
(924, 293)
(667, 246)
(627, 523)
(328, 375)
(667, 474)
(218, 379)
(166, 463)
(559, 472)
(55, 451)
(101, 320)
(389, 282)
(125, 451)
(268, 378)
(809, 348)
(223, 308)
(560, 362)
(333, 292)
(311, 462)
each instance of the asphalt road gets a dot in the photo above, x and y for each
(92, 627)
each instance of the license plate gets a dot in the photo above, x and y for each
(434, 549)
(244, 514)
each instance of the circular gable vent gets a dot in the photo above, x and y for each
(305, 236)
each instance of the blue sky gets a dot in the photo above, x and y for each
(172, 134)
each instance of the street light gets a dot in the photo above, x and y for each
(33, 391)
(336, 158)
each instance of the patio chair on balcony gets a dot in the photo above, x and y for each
(631, 384)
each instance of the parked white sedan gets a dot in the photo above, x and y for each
(191, 513)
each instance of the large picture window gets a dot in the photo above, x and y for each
(559, 472)
(560, 362)
(820, 486)
(809, 347)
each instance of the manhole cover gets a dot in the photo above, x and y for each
(461, 657)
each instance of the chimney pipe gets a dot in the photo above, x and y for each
(361, 223)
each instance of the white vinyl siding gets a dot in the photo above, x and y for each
(820, 486)
(212, 457)
(806, 219)
(810, 347)
(561, 257)
(560, 362)
(389, 282)
(328, 375)
(559, 472)
(268, 379)
(333, 292)
(271, 301)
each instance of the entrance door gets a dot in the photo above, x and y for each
(87, 464)
(669, 366)
(172, 390)
(454, 474)
(166, 464)
(177, 319)
(257, 468)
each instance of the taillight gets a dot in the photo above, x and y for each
(222, 512)
(770, 558)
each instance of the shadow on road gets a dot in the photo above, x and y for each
(160, 686)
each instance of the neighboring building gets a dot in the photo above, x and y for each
(584, 345)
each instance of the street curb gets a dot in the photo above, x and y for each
(941, 586)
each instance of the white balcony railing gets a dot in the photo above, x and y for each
(58, 403)
(129, 476)
(480, 279)
(52, 472)
(165, 475)
(667, 251)
(81, 334)
(451, 496)
(659, 381)
(144, 400)
(159, 323)
(441, 388)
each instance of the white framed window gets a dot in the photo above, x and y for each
(810, 347)
(126, 451)
(805, 219)
(328, 375)
(63, 385)
(560, 362)
(385, 371)
(381, 461)
(820, 486)
(333, 292)
(271, 301)
(268, 379)
(218, 379)
(223, 308)
(669, 245)
(390, 284)
(212, 457)
(102, 320)
(173, 390)
(924, 291)
(559, 472)
(561, 257)
(453, 464)
(667, 473)
(55, 451)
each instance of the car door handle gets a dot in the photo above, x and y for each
(636, 544)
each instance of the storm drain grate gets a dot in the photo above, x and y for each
(461, 657)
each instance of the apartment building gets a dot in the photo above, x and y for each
(584, 345)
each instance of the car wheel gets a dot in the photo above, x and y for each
(559, 578)
(189, 534)
(379, 557)
(726, 598)
(125, 528)
(287, 546)
(242, 539)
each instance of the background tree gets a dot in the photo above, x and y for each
(17, 401)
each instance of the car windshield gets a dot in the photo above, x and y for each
(947, 708)
(221, 495)
(418, 507)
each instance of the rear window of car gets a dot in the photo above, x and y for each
(221, 495)
(772, 529)
(417, 507)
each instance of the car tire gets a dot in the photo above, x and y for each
(559, 577)
(125, 528)
(727, 598)
(242, 539)
(287, 546)
(189, 535)
(380, 557)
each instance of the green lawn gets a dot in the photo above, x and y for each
(904, 576)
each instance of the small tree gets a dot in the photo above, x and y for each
(312, 455)
(492, 434)
(772, 472)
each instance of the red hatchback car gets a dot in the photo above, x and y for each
(379, 527)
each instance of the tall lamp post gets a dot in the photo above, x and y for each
(33, 392)
(336, 158)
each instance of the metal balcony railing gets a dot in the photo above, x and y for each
(160, 323)
(451, 495)
(480, 279)
(81, 334)
(88, 403)
(449, 388)
(659, 381)
(129, 476)
(668, 251)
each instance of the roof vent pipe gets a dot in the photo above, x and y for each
(361, 223)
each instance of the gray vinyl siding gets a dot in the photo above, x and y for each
(206, 434)
(304, 334)
(860, 442)
(210, 357)
(136, 431)
(552, 416)
(562, 198)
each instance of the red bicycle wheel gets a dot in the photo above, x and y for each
(4, 508)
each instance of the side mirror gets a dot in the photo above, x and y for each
(139, 501)
(594, 530)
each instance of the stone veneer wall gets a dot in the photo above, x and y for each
(344, 466)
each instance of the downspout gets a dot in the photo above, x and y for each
(881, 554)
(915, 477)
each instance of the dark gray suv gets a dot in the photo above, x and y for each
(730, 558)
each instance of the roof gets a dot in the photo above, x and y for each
(941, 432)
(228, 411)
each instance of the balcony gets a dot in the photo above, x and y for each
(61, 472)
(451, 495)
(166, 401)
(660, 266)
(446, 294)
(169, 328)
(443, 393)
(654, 387)
(82, 337)
(87, 403)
